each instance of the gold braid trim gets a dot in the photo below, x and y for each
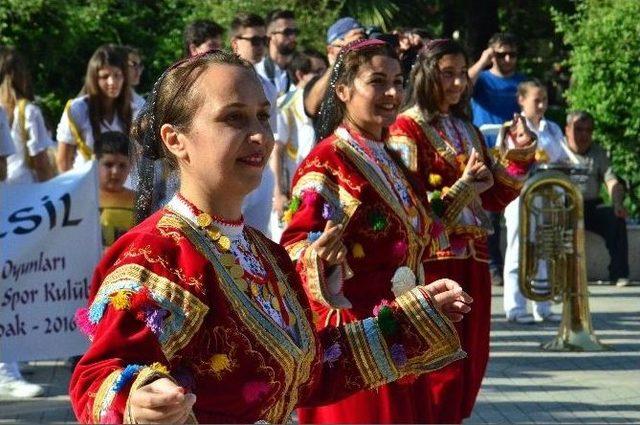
(407, 149)
(194, 310)
(100, 399)
(316, 280)
(458, 197)
(362, 354)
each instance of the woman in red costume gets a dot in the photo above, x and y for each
(351, 188)
(435, 138)
(195, 316)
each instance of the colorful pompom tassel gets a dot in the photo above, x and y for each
(386, 321)
(84, 324)
(357, 251)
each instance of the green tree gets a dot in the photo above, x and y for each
(605, 59)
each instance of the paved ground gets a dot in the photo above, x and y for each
(523, 384)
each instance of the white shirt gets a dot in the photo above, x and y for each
(79, 110)
(38, 140)
(6, 143)
(137, 101)
(550, 138)
(295, 130)
(280, 77)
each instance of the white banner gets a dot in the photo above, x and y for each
(50, 243)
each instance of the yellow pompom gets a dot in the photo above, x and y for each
(541, 156)
(287, 216)
(219, 363)
(160, 368)
(435, 180)
(357, 251)
(120, 300)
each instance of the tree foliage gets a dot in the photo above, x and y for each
(605, 61)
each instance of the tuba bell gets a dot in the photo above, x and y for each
(552, 255)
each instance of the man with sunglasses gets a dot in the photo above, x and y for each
(249, 41)
(494, 101)
(282, 32)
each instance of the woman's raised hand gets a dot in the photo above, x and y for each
(450, 298)
(476, 173)
(329, 245)
(161, 401)
(520, 132)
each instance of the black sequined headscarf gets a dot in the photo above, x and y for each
(330, 116)
(149, 150)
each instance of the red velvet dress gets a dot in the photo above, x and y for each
(436, 153)
(219, 309)
(387, 231)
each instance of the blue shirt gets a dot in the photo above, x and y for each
(495, 100)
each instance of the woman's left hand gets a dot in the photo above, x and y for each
(520, 133)
(450, 299)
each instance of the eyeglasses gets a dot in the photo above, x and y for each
(287, 32)
(136, 65)
(502, 55)
(256, 40)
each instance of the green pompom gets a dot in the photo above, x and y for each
(294, 205)
(386, 322)
(378, 221)
(438, 207)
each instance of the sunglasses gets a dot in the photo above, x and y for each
(288, 32)
(502, 55)
(256, 40)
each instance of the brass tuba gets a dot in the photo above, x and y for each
(552, 241)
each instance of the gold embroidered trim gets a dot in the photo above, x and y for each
(416, 240)
(295, 361)
(407, 149)
(333, 193)
(458, 197)
(194, 309)
(362, 354)
(100, 399)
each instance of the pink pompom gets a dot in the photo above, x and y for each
(252, 391)
(515, 169)
(399, 249)
(309, 196)
(84, 324)
(376, 309)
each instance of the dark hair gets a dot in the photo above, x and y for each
(345, 69)
(130, 50)
(525, 86)
(245, 20)
(174, 101)
(274, 15)
(506, 38)
(313, 53)
(424, 83)
(15, 80)
(107, 55)
(112, 142)
(199, 31)
(299, 62)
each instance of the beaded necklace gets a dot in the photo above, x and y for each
(249, 273)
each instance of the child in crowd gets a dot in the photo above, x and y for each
(532, 98)
(116, 201)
